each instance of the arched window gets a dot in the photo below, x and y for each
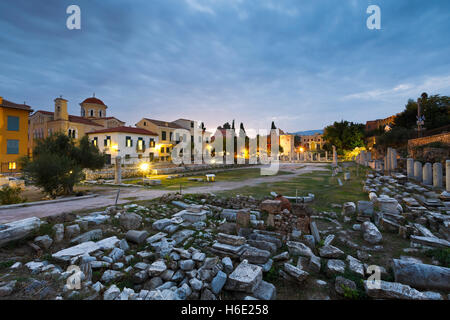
(83, 112)
(91, 112)
(100, 113)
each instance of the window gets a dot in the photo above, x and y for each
(171, 136)
(139, 156)
(128, 142)
(145, 124)
(152, 143)
(192, 124)
(83, 112)
(141, 144)
(163, 135)
(127, 156)
(107, 141)
(100, 113)
(151, 156)
(91, 112)
(12, 165)
(13, 123)
(12, 146)
(163, 150)
(95, 142)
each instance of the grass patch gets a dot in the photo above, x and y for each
(441, 255)
(325, 188)
(6, 264)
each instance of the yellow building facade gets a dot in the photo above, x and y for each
(93, 117)
(13, 134)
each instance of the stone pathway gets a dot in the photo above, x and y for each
(137, 194)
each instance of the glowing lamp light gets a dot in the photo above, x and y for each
(115, 147)
(302, 149)
(144, 166)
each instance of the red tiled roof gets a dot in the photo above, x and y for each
(163, 123)
(94, 100)
(12, 105)
(76, 119)
(126, 130)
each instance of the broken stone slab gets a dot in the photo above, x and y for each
(292, 273)
(421, 276)
(349, 208)
(108, 243)
(255, 255)
(44, 242)
(190, 216)
(424, 231)
(156, 268)
(161, 224)
(265, 291)
(315, 231)
(267, 238)
(334, 267)
(136, 236)
(263, 245)
(365, 208)
(371, 233)
(230, 239)
(228, 248)
(342, 283)
(388, 205)
(84, 248)
(18, 229)
(94, 218)
(298, 248)
(246, 277)
(156, 237)
(392, 290)
(130, 221)
(331, 252)
(111, 275)
(329, 239)
(92, 235)
(389, 225)
(430, 242)
(355, 265)
(229, 215)
(182, 235)
(181, 204)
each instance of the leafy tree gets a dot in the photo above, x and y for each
(58, 162)
(435, 108)
(344, 135)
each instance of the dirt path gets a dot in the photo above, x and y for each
(108, 197)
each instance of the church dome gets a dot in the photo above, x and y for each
(94, 100)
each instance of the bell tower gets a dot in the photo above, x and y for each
(61, 109)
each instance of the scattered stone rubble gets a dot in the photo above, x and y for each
(207, 247)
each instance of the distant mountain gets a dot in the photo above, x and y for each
(307, 133)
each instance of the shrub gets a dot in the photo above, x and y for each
(10, 195)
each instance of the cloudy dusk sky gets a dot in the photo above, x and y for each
(301, 63)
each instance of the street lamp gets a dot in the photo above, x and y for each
(144, 166)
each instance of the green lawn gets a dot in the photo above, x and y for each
(229, 175)
(325, 188)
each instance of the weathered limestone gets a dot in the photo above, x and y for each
(118, 170)
(393, 159)
(335, 160)
(437, 175)
(392, 290)
(371, 233)
(78, 250)
(421, 276)
(298, 248)
(447, 177)
(231, 239)
(427, 174)
(18, 229)
(418, 171)
(410, 168)
(246, 277)
(430, 242)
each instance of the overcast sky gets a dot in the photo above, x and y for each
(301, 63)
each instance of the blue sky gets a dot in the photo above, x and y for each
(303, 64)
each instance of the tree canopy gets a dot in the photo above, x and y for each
(344, 135)
(58, 162)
